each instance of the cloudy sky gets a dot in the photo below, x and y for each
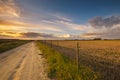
(59, 19)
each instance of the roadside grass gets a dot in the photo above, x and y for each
(61, 67)
(107, 66)
(10, 45)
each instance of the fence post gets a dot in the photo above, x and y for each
(57, 43)
(45, 42)
(51, 43)
(77, 55)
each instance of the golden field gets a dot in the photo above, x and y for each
(103, 56)
(106, 49)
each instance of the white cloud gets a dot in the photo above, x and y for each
(62, 35)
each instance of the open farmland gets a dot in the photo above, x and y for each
(104, 49)
(61, 67)
(7, 44)
(103, 56)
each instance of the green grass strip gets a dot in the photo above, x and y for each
(10, 45)
(62, 68)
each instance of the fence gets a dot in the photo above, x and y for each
(107, 70)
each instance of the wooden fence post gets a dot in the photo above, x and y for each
(44, 41)
(57, 43)
(77, 55)
(51, 43)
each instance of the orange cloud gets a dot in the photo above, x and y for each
(11, 34)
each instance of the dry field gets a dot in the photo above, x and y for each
(101, 55)
(109, 50)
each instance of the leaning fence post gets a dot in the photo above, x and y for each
(77, 55)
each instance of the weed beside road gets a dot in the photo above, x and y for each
(61, 67)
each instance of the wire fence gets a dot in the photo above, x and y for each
(105, 69)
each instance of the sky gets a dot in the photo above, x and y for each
(59, 19)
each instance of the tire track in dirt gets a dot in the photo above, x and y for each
(23, 63)
(17, 68)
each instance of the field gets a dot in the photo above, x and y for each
(61, 67)
(9, 44)
(89, 60)
(103, 56)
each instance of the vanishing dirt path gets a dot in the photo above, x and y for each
(22, 63)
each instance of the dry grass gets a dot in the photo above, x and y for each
(102, 56)
(104, 49)
(63, 68)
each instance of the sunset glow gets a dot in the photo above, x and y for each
(50, 18)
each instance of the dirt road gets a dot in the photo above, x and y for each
(22, 63)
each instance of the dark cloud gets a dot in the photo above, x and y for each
(108, 34)
(36, 35)
(111, 26)
(99, 22)
(47, 35)
(30, 35)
